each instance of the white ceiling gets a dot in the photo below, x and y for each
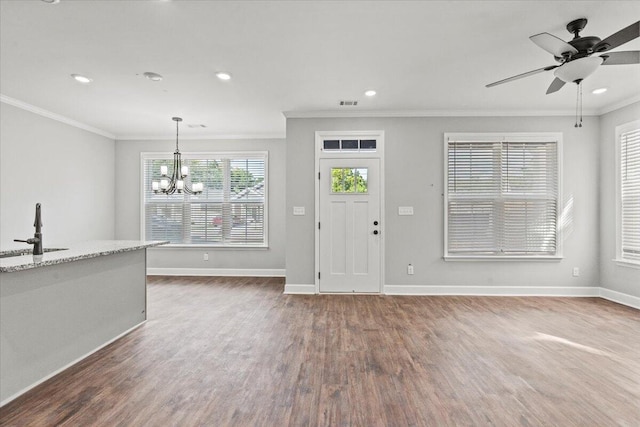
(298, 58)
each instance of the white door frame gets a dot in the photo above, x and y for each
(378, 135)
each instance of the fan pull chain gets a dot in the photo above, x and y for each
(579, 105)
(577, 97)
(580, 89)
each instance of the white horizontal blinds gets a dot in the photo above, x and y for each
(163, 213)
(472, 227)
(502, 198)
(529, 197)
(630, 194)
(473, 191)
(228, 212)
(206, 210)
(246, 201)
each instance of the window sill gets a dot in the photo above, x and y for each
(555, 258)
(626, 263)
(211, 247)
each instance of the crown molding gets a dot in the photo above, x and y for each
(431, 113)
(310, 114)
(618, 105)
(201, 137)
(54, 116)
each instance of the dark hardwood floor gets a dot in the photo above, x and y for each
(237, 352)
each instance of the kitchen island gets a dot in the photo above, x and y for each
(60, 308)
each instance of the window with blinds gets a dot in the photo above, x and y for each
(230, 211)
(629, 146)
(502, 196)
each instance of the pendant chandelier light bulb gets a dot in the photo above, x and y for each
(177, 183)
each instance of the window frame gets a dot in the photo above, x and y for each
(523, 137)
(208, 155)
(621, 129)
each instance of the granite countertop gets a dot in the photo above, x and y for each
(73, 252)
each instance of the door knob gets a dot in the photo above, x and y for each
(375, 231)
(375, 222)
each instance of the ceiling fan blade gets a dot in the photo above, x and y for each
(619, 38)
(519, 76)
(618, 58)
(555, 86)
(552, 44)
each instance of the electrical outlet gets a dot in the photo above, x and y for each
(410, 269)
(206, 256)
(576, 271)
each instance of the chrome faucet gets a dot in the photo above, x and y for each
(36, 241)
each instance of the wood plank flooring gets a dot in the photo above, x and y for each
(237, 352)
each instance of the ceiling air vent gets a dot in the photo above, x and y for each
(348, 103)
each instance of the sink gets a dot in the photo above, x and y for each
(21, 252)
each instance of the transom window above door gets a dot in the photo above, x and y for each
(349, 145)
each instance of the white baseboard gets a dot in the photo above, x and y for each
(564, 291)
(555, 291)
(620, 298)
(248, 272)
(68, 365)
(560, 291)
(299, 289)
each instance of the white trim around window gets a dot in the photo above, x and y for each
(502, 196)
(627, 169)
(231, 212)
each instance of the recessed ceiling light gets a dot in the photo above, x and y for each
(223, 75)
(81, 79)
(370, 93)
(599, 91)
(154, 77)
(51, 1)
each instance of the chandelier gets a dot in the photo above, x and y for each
(175, 183)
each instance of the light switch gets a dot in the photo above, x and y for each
(298, 210)
(405, 210)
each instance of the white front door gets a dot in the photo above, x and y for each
(350, 228)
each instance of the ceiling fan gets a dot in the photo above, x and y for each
(579, 57)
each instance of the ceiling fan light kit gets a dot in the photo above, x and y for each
(575, 57)
(578, 70)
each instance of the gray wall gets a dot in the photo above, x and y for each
(68, 170)
(72, 173)
(613, 276)
(414, 177)
(128, 205)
